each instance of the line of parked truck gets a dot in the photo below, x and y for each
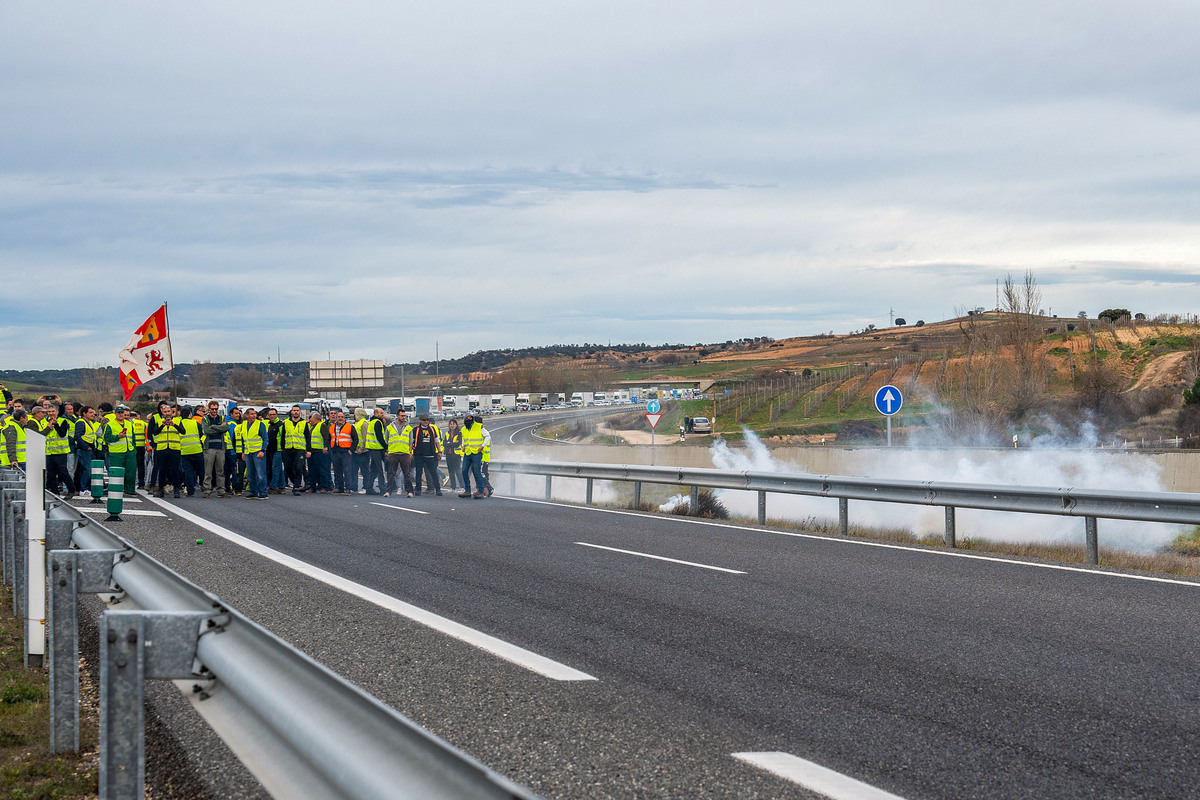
(444, 406)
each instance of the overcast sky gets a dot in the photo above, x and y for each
(363, 179)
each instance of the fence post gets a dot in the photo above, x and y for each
(589, 491)
(843, 516)
(637, 494)
(694, 502)
(1093, 547)
(950, 532)
(762, 508)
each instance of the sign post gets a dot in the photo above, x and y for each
(888, 400)
(653, 415)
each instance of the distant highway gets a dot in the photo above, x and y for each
(669, 645)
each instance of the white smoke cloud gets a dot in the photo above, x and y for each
(1049, 463)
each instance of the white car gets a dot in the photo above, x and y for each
(701, 425)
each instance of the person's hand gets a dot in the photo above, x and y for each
(260, 454)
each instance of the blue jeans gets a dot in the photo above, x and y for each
(472, 464)
(278, 481)
(358, 467)
(256, 474)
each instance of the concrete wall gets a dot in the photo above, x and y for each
(1178, 471)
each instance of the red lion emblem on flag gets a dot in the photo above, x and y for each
(154, 362)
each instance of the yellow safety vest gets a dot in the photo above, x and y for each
(231, 442)
(56, 445)
(373, 442)
(293, 434)
(316, 437)
(10, 422)
(189, 440)
(139, 433)
(251, 437)
(168, 438)
(91, 430)
(399, 442)
(119, 429)
(473, 439)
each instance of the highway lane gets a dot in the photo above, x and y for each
(926, 675)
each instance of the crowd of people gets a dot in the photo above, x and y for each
(248, 452)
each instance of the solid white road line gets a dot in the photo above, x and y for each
(814, 777)
(662, 558)
(498, 647)
(859, 542)
(132, 511)
(400, 508)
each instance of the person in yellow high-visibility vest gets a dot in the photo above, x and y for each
(191, 450)
(119, 435)
(295, 440)
(57, 431)
(139, 447)
(475, 438)
(252, 444)
(166, 452)
(316, 450)
(399, 454)
(12, 449)
(376, 435)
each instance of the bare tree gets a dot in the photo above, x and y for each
(100, 384)
(205, 378)
(1021, 334)
(245, 382)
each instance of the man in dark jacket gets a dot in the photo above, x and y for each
(212, 433)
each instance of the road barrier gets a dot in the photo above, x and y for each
(301, 729)
(1091, 505)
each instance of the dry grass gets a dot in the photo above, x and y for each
(28, 771)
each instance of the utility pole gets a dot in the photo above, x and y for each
(891, 317)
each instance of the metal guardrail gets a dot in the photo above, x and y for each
(1090, 504)
(301, 729)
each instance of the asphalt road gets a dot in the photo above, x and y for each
(922, 674)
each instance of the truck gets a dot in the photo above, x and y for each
(422, 405)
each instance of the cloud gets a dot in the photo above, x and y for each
(370, 179)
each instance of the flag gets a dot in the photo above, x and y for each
(148, 353)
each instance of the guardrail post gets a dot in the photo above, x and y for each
(136, 646)
(512, 484)
(762, 508)
(71, 572)
(950, 532)
(589, 491)
(16, 524)
(18, 571)
(11, 524)
(694, 501)
(843, 516)
(549, 478)
(1093, 547)
(637, 494)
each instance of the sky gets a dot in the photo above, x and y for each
(377, 180)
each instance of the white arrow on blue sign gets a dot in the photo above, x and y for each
(888, 400)
(652, 407)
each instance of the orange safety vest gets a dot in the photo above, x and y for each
(340, 437)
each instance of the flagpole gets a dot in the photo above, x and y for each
(174, 381)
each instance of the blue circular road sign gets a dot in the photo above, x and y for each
(888, 400)
(652, 407)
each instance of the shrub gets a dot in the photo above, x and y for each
(708, 506)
